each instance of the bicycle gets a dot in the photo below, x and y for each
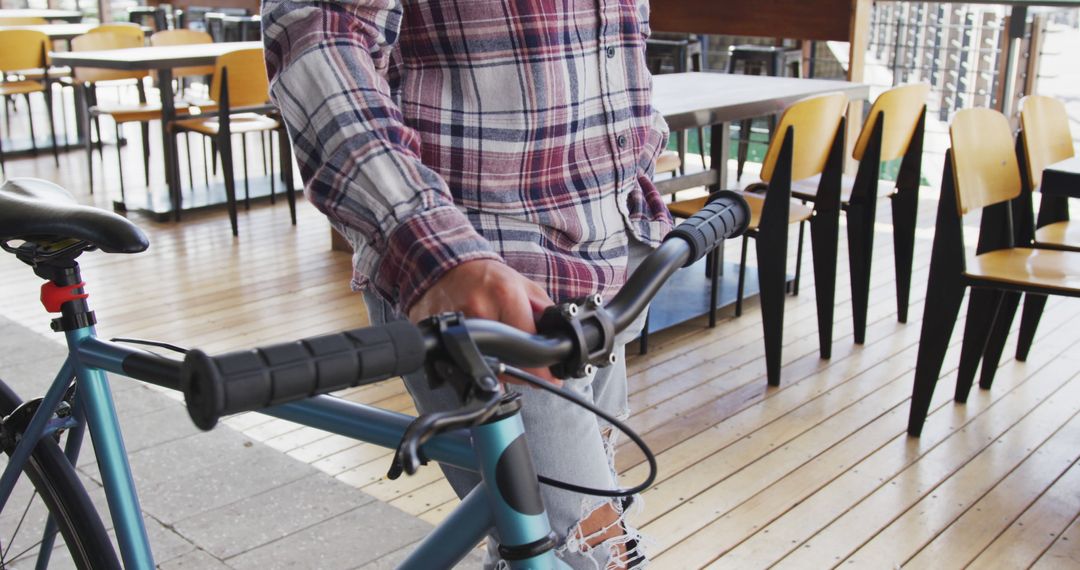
(42, 225)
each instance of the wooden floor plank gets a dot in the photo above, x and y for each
(962, 540)
(874, 514)
(1034, 531)
(1064, 553)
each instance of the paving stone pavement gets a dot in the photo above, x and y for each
(217, 500)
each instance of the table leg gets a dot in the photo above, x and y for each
(168, 114)
(720, 142)
(719, 152)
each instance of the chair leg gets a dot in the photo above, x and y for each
(213, 153)
(742, 276)
(824, 235)
(206, 163)
(145, 128)
(939, 317)
(798, 260)
(91, 94)
(64, 118)
(771, 278)
(52, 123)
(267, 138)
(247, 177)
(982, 308)
(225, 149)
(995, 346)
(714, 285)
(30, 121)
(860, 230)
(643, 340)
(286, 163)
(905, 205)
(120, 164)
(7, 114)
(745, 130)
(89, 141)
(270, 175)
(701, 147)
(190, 168)
(1029, 322)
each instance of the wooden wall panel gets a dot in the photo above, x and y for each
(797, 19)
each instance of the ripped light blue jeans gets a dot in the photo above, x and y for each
(568, 443)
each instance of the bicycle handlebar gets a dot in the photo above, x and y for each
(215, 386)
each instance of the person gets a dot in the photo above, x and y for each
(489, 157)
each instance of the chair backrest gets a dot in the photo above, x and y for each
(22, 49)
(101, 41)
(1047, 138)
(248, 83)
(985, 170)
(23, 21)
(215, 25)
(902, 107)
(815, 120)
(121, 29)
(180, 37)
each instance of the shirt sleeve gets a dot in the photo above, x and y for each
(328, 63)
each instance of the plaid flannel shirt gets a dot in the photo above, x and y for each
(434, 132)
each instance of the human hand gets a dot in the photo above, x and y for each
(487, 289)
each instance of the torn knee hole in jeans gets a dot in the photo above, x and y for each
(621, 545)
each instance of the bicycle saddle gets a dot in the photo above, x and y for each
(33, 209)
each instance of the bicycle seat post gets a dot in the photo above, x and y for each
(64, 293)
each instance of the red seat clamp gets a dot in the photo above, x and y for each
(53, 296)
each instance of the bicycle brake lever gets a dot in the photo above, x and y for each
(408, 458)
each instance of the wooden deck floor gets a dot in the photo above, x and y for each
(816, 473)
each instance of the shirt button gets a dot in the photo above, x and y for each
(611, 52)
(621, 141)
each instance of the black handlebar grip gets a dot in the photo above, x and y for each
(725, 216)
(247, 380)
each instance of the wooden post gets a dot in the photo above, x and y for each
(859, 42)
(1034, 51)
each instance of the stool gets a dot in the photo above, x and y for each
(683, 52)
(761, 60)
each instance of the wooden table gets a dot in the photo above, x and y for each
(698, 99)
(701, 99)
(162, 59)
(1062, 178)
(64, 15)
(1060, 181)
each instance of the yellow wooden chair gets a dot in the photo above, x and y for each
(183, 37)
(894, 129)
(21, 50)
(1043, 140)
(981, 174)
(126, 29)
(88, 78)
(179, 37)
(809, 141)
(668, 162)
(241, 90)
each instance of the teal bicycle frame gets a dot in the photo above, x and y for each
(513, 510)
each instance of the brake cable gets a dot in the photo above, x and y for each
(578, 400)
